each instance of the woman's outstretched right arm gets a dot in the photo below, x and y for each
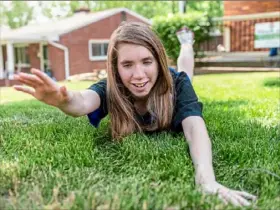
(43, 88)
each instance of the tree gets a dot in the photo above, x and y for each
(54, 9)
(148, 9)
(2, 16)
(212, 8)
(18, 14)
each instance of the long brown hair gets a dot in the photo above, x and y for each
(120, 102)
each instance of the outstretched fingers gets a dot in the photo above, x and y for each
(223, 199)
(246, 195)
(28, 79)
(42, 76)
(32, 78)
(237, 198)
(241, 200)
(230, 198)
(24, 89)
(24, 81)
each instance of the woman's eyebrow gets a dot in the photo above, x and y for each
(148, 58)
(126, 62)
(130, 61)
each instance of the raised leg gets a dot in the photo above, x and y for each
(185, 61)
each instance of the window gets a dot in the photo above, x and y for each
(21, 55)
(98, 49)
(45, 59)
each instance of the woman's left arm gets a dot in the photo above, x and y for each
(201, 153)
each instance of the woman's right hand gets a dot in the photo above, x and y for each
(44, 88)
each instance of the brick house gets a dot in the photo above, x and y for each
(77, 44)
(240, 19)
(236, 29)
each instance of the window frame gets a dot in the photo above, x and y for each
(22, 53)
(97, 41)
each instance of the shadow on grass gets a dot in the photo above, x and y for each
(272, 82)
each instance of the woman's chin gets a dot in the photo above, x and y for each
(140, 96)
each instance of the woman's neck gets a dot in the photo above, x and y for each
(141, 106)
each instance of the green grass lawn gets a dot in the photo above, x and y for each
(52, 161)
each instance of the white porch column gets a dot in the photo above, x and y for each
(10, 59)
(182, 6)
(1, 63)
(226, 36)
(41, 57)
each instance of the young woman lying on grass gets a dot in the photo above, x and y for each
(141, 94)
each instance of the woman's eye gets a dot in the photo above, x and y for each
(148, 62)
(127, 65)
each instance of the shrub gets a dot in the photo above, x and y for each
(166, 27)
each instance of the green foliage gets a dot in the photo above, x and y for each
(166, 27)
(2, 15)
(19, 14)
(48, 9)
(212, 8)
(52, 161)
(148, 9)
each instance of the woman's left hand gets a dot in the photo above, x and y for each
(237, 198)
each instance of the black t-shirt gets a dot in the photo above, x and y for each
(186, 102)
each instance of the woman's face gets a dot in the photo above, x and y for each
(138, 69)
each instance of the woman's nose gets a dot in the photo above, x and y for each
(138, 72)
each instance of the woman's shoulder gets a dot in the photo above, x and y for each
(101, 84)
(99, 87)
(178, 76)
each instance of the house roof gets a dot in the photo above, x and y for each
(53, 29)
(5, 28)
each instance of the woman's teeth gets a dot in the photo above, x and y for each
(140, 84)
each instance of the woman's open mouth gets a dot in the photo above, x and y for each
(140, 85)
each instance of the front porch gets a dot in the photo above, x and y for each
(8, 82)
(21, 56)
